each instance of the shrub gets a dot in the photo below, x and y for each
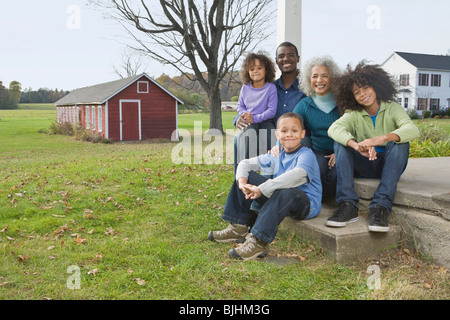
(432, 131)
(429, 149)
(426, 114)
(413, 114)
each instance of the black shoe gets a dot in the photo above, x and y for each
(345, 214)
(378, 219)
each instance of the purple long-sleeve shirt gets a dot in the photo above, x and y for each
(261, 103)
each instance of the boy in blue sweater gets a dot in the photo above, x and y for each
(294, 191)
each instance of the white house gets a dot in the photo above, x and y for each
(424, 80)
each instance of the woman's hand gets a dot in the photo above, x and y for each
(331, 160)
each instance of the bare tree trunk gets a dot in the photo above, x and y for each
(195, 36)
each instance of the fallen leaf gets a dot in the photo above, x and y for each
(110, 231)
(6, 228)
(93, 271)
(139, 281)
(428, 284)
(58, 216)
(21, 258)
(80, 240)
(91, 231)
(51, 247)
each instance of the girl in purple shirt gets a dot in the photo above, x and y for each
(258, 103)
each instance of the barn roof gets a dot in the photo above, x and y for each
(100, 93)
(426, 61)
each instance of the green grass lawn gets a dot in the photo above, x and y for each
(134, 226)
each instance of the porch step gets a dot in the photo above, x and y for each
(349, 244)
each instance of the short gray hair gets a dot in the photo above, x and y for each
(305, 75)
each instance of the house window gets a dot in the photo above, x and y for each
(143, 87)
(422, 104)
(88, 117)
(404, 80)
(399, 101)
(93, 118)
(434, 105)
(423, 79)
(100, 119)
(406, 103)
(435, 80)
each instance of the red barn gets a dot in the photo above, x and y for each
(135, 108)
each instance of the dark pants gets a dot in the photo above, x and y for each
(328, 176)
(388, 167)
(285, 202)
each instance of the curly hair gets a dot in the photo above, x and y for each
(363, 75)
(250, 61)
(305, 75)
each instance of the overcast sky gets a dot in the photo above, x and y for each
(65, 44)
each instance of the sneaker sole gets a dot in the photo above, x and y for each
(211, 237)
(378, 229)
(341, 224)
(233, 253)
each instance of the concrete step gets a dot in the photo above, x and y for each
(420, 217)
(349, 244)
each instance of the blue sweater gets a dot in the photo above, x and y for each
(317, 124)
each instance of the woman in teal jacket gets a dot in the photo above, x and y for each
(319, 112)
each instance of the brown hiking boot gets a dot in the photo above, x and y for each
(252, 248)
(233, 233)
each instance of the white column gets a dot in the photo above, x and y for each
(289, 27)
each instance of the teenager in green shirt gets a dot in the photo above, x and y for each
(372, 141)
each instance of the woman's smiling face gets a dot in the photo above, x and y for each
(321, 80)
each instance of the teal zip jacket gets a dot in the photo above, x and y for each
(318, 122)
(358, 125)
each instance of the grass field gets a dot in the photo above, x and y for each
(129, 224)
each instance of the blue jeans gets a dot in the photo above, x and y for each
(388, 167)
(328, 176)
(285, 202)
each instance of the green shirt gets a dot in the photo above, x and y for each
(358, 125)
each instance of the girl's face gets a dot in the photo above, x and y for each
(257, 72)
(365, 96)
(321, 80)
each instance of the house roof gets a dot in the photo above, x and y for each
(426, 61)
(100, 93)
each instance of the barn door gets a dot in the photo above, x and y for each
(130, 120)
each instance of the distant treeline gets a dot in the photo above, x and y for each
(42, 95)
(193, 94)
(12, 96)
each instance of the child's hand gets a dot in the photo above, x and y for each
(275, 151)
(251, 192)
(248, 117)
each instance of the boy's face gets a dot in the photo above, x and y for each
(290, 133)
